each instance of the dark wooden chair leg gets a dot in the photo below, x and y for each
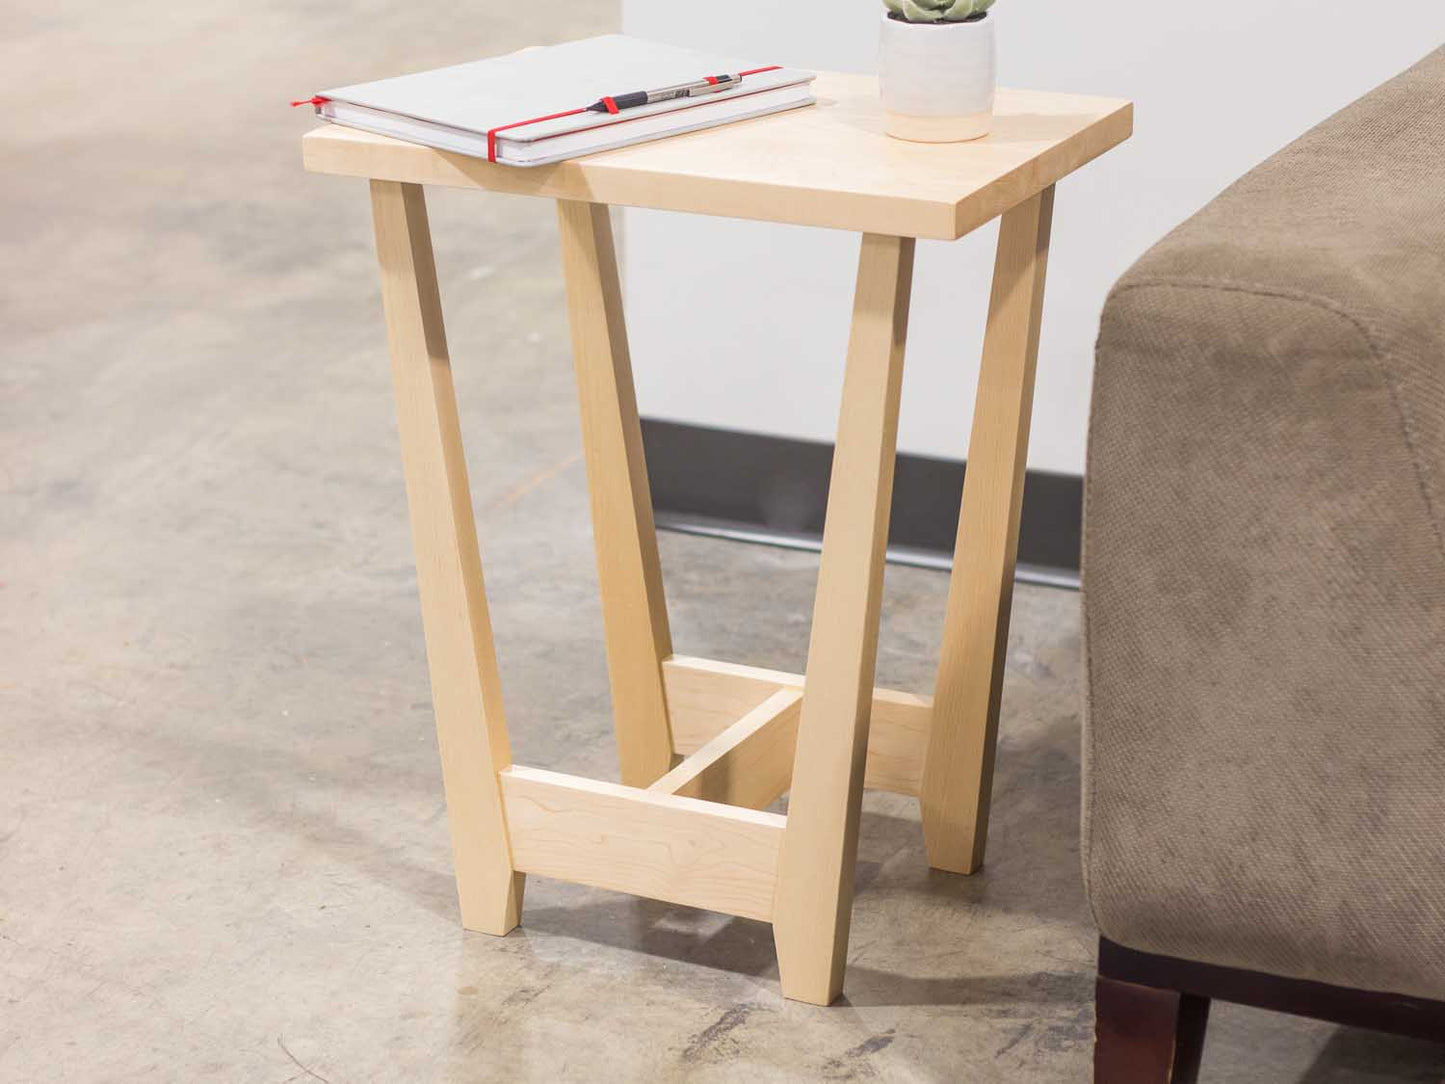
(1144, 1035)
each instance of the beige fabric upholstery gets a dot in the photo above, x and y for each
(1264, 574)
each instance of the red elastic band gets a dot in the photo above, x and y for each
(492, 132)
(310, 101)
(756, 71)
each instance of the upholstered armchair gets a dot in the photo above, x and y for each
(1264, 599)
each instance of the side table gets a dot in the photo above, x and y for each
(692, 830)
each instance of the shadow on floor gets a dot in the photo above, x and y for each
(745, 947)
(1355, 1054)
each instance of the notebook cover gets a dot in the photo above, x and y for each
(572, 144)
(534, 84)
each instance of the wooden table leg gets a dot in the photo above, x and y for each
(466, 689)
(958, 769)
(629, 576)
(814, 897)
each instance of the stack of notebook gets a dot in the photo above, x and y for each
(545, 104)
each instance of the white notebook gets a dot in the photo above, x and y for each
(529, 108)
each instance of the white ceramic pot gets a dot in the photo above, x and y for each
(937, 79)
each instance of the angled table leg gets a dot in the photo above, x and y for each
(629, 576)
(466, 689)
(958, 769)
(814, 897)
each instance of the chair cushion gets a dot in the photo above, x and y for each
(1264, 567)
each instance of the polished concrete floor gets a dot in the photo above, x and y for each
(223, 848)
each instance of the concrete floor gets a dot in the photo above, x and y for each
(223, 849)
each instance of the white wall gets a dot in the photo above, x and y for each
(743, 325)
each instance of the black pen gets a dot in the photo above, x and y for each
(708, 85)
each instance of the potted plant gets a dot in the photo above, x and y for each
(936, 69)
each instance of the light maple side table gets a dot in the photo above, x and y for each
(692, 830)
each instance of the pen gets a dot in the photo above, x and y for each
(708, 85)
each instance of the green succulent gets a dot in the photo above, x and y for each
(937, 11)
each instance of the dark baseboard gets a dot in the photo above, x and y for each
(1395, 1013)
(774, 489)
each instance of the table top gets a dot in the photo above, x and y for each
(829, 164)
